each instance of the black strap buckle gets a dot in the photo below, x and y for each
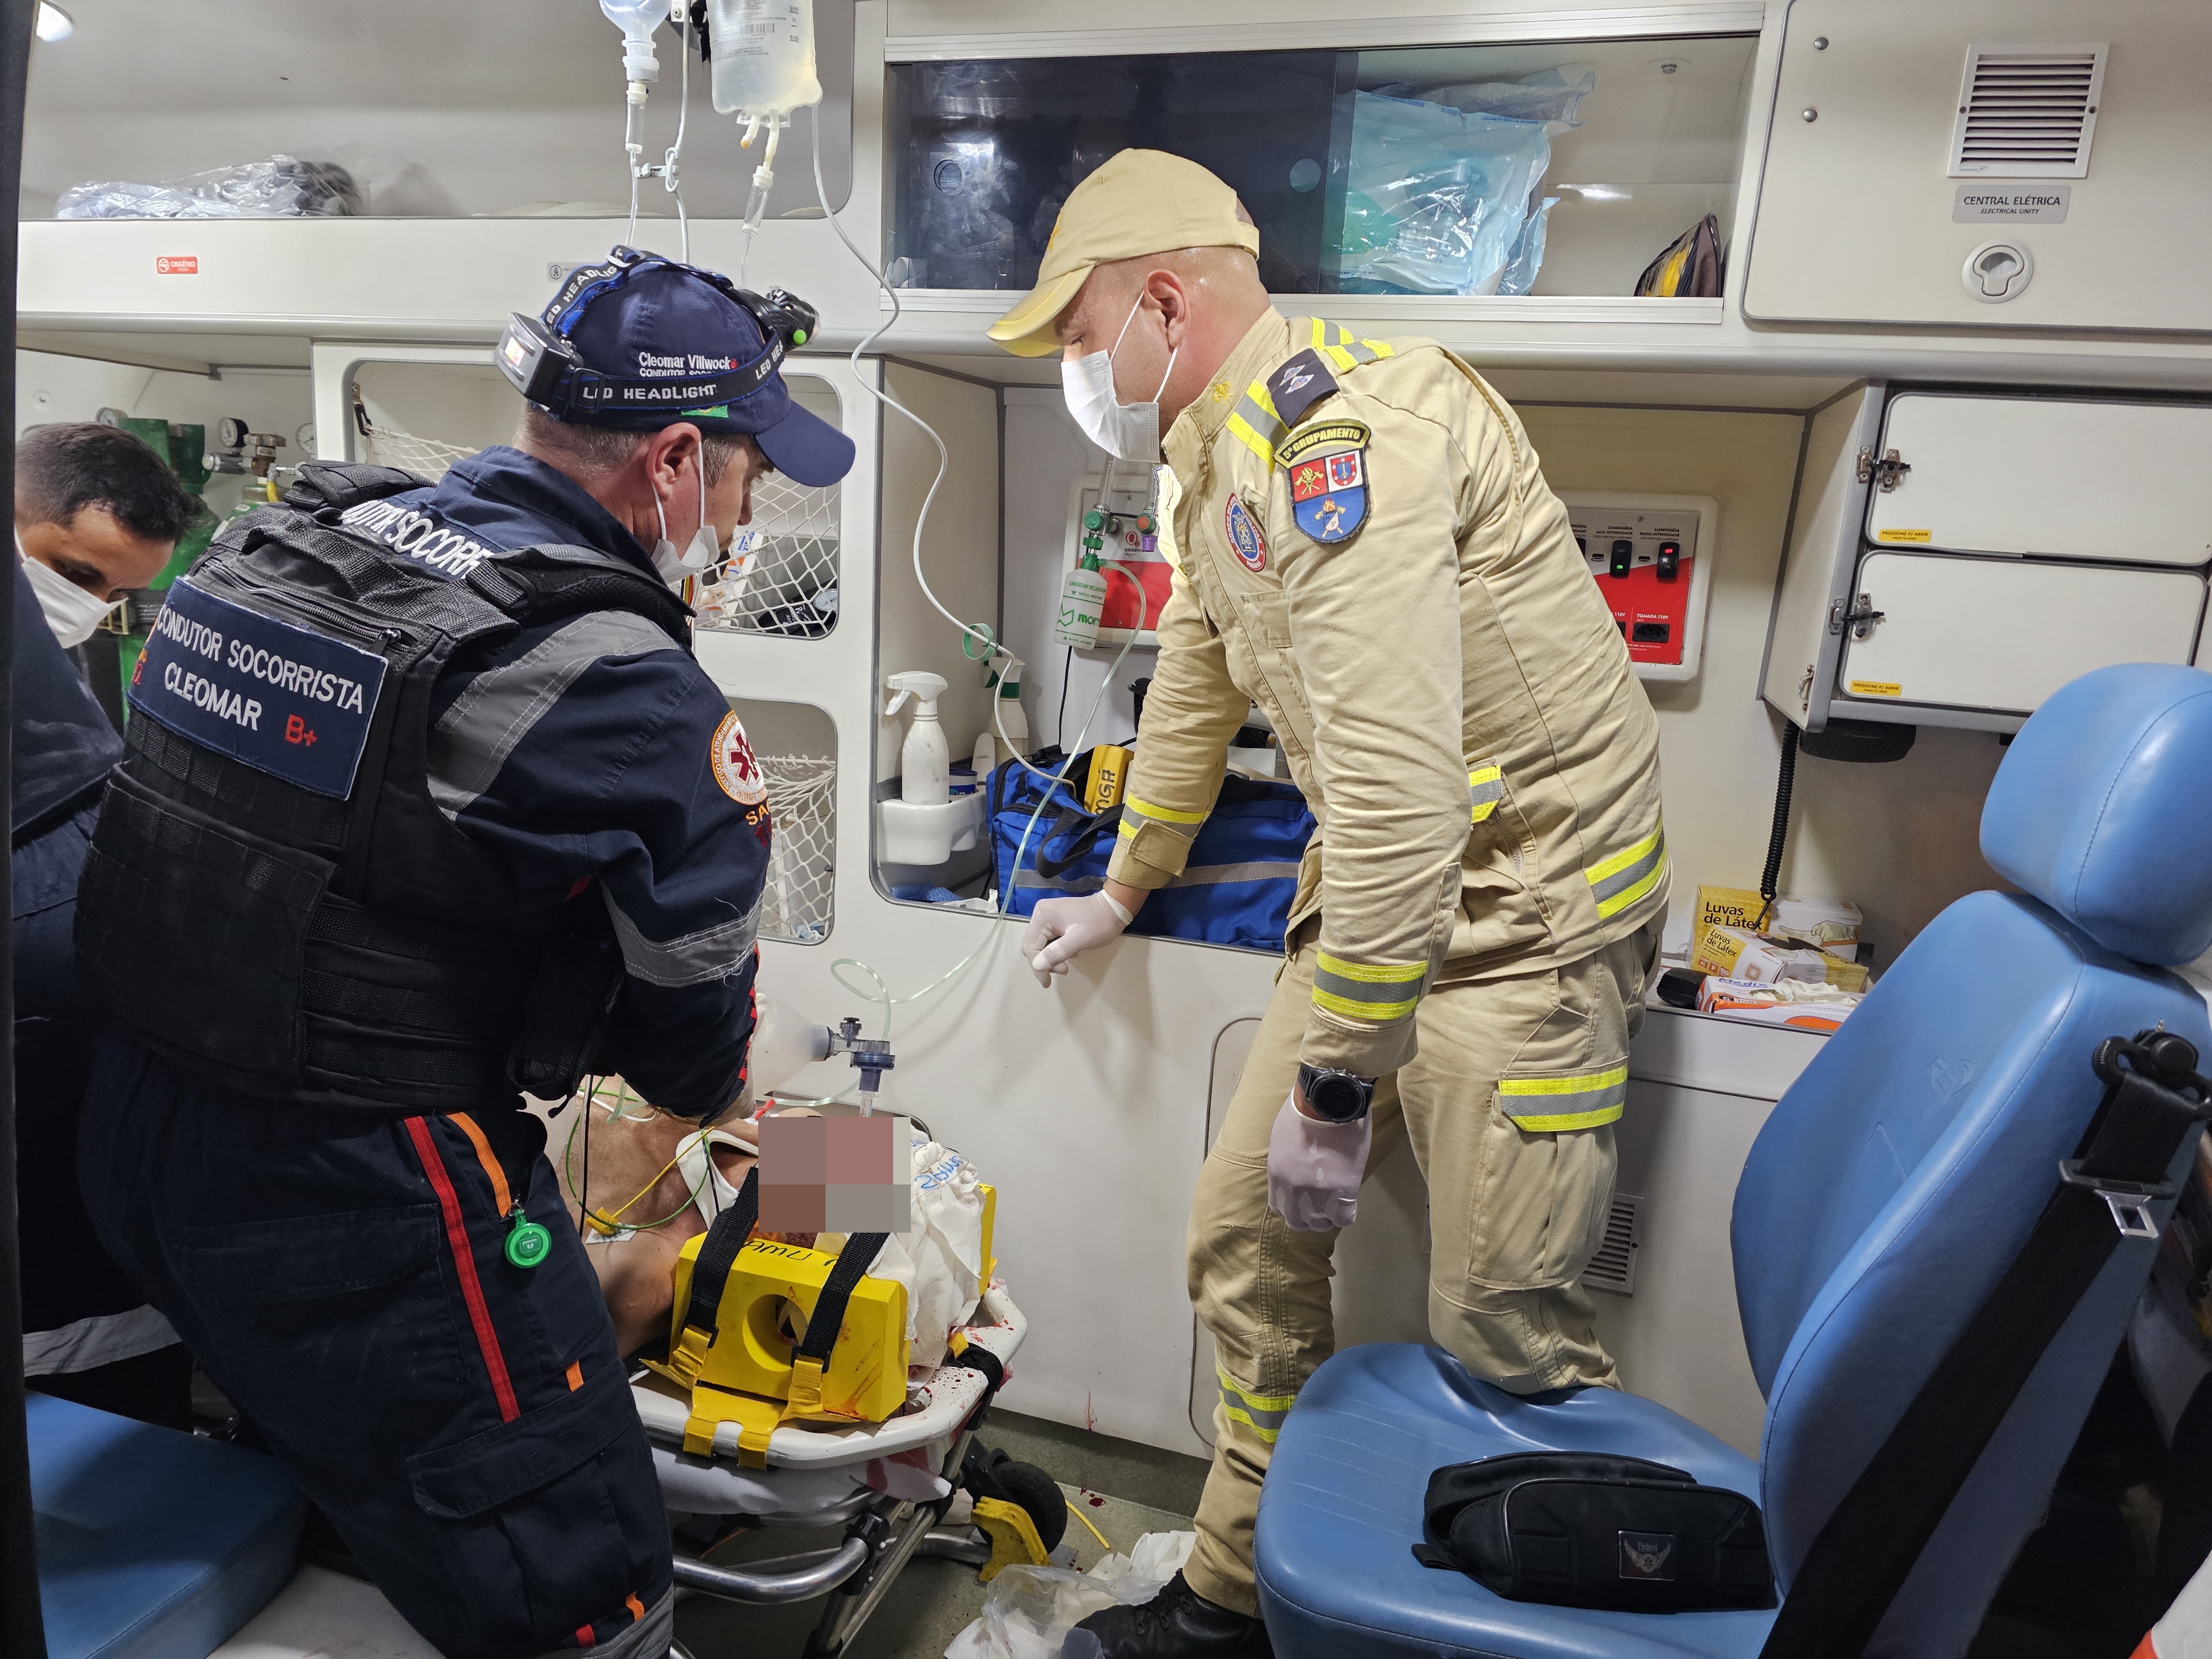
(2130, 1202)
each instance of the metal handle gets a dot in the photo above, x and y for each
(773, 1589)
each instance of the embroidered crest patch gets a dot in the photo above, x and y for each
(1244, 539)
(1328, 494)
(735, 769)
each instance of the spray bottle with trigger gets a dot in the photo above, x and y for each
(925, 759)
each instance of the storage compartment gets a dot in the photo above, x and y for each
(2060, 477)
(2003, 635)
(2016, 164)
(1891, 606)
(1557, 168)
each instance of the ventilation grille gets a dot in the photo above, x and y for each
(2027, 112)
(1613, 1268)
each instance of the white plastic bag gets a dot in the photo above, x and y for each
(939, 1259)
(281, 187)
(1435, 200)
(1031, 1610)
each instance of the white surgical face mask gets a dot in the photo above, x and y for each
(1130, 432)
(73, 614)
(706, 543)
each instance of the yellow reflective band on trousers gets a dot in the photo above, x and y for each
(1137, 813)
(1263, 1413)
(1628, 875)
(1549, 1104)
(1255, 423)
(1345, 351)
(1485, 788)
(1383, 993)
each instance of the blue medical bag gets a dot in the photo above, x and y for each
(1235, 890)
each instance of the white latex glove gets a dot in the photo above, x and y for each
(1062, 929)
(1314, 1168)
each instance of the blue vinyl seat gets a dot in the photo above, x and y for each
(152, 1544)
(1888, 1191)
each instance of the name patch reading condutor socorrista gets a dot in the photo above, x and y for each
(285, 700)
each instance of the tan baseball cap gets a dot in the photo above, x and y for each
(1139, 201)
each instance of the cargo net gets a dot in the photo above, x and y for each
(802, 866)
(780, 576)
(387, 445)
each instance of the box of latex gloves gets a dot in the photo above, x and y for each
(1738, 935)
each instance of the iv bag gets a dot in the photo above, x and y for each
(637, 19)
(764, 57)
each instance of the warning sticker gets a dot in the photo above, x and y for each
(1876, 688)
(1904, 535)
(177, 265)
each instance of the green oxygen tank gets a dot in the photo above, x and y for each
(182, 447)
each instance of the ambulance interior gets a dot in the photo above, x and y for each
(1931, 451)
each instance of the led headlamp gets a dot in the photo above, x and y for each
(538, 356)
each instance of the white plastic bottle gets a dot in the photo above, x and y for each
(1012, 723)
(637, 19)
(925, 759)
(1082, 597)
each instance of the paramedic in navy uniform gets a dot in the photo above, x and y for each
(424, 787)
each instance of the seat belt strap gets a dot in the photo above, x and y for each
(2153, 1105)
(710, 1277)
(811, 1359)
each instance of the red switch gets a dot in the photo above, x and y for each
(1670, 561)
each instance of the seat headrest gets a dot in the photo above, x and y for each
(2102, 805)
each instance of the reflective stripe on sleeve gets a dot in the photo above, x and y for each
(1549, 1104)
(1255, 423)
(1263, 1413)
(1135, 814)
(1383, 994)
(1485, 788)
(1628, 875)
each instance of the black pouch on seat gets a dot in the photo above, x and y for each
(1583, 1529)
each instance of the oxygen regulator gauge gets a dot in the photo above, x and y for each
(230, 432)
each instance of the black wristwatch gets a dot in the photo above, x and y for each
(1338, 1097)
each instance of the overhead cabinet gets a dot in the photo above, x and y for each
(1960, 556)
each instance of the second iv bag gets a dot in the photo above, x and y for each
(764, 57)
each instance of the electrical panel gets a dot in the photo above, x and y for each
(1651, 558)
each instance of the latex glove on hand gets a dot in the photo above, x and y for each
(1062, 929)
(1314, 1168)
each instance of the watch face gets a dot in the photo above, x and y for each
(1336, 1098)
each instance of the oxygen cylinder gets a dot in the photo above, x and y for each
(764, 57)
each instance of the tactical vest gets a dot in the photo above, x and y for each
(273, 898)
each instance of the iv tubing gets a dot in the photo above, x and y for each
(969, 631)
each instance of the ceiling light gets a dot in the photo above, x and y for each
(54, 23)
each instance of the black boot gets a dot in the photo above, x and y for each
(1177, 1623)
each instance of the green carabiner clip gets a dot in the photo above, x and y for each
(527, 1244)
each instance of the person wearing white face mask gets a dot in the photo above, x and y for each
(1370, 552)
(97, 513)
(517, 833)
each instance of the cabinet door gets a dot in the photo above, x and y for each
(2061, 478)
(1988, 634)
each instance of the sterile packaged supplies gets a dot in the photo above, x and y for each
(1800, 1003)
(1827, 924)
(1435, 200)
(281, 187)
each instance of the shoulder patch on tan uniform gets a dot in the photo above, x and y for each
(1323, 434)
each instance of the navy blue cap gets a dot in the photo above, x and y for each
(665, 321)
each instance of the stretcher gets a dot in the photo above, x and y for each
(890, 1486)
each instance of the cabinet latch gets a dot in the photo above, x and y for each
(1860, 616)
(1885, 474)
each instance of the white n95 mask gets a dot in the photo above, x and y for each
(706, 546)
(1129, 431)
(73, 614)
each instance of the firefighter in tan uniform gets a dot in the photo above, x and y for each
(1367, 549)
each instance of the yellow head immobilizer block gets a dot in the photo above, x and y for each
(764, 1311)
